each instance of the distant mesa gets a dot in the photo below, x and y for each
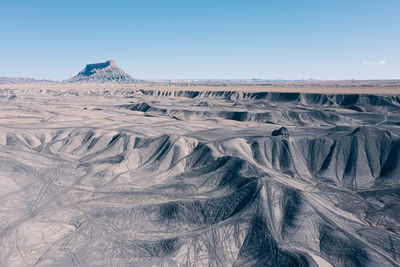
(106, 72)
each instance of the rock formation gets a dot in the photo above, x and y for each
(106, 72)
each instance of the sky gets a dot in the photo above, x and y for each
(203, 39)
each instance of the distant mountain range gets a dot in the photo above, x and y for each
(109, 72)
(19, 80)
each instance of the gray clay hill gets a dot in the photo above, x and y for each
(106, 72)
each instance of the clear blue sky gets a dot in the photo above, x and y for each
(160, 39)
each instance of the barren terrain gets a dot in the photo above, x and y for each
(233, 175)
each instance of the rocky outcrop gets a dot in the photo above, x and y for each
(106, 72)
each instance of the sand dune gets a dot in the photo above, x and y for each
(198, 178)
